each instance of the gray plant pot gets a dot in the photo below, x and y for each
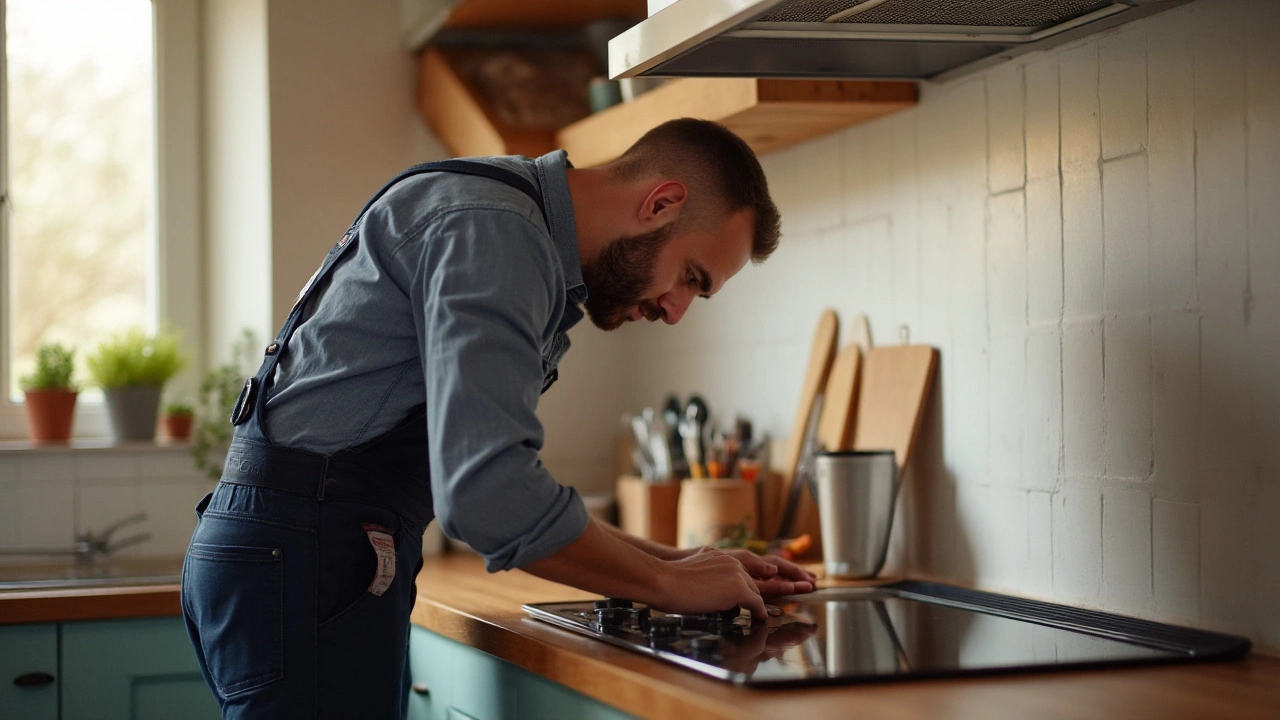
(133, 411)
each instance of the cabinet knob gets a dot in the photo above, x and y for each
(33, 679)
(421, 688)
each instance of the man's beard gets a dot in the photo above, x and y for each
(617, 280)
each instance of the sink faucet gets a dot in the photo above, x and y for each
(89, 545)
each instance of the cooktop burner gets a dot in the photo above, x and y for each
(903, 630)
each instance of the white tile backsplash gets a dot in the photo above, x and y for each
(1103, 294)
(47, 495)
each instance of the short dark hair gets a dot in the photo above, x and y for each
(706, 154)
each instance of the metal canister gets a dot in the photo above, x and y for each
(856, 493)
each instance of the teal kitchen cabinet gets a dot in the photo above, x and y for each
(29, 672)
(142, 669)
(453, 681)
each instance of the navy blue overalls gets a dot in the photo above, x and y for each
(299, 579)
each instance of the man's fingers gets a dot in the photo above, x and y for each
(755, 565)
(779, 586)
(791, 570)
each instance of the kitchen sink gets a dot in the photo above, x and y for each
(55, 575)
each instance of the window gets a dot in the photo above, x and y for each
(86, 244)
(81, 248)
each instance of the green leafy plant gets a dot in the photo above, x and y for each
(55, 364)
(219, 389)
(179, 409)
(133, 358)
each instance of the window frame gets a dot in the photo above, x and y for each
(175, 215)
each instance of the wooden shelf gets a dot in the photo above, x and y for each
(464, 122)
(541, 14)
(768, 114)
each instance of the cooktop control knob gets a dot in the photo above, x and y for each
(613, 603)
(611, 617)
(729, 615)
(707, 644)
(664, 629)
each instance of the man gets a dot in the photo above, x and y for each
(404, 386)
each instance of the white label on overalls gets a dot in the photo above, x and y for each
(385, 546)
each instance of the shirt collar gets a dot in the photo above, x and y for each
(564, 231)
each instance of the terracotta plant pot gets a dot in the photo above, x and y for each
(178, 427)
(50, 414)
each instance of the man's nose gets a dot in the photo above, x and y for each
(674, 304)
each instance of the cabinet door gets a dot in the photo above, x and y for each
(29, 672)
(467, 684)
(429, 675)
(132, 670)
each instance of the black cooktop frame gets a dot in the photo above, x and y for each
(1180, 644)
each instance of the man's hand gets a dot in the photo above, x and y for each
(706, 581)
(774, 575)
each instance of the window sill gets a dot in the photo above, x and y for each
(8, 447)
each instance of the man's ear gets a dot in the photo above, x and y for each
(664, 203)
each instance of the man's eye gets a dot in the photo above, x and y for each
(691, 279)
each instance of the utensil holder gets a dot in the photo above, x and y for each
(648, 510)
(711, 510)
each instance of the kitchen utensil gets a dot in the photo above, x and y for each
(671, 412)
(691, 438)
(697, 410)
(641, 451)
(786, 521)
(856, 493)
(821, 354)
(660, 452)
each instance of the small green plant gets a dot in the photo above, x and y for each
(55, 365)
(218, 392)
(179, 409)
(135, 358)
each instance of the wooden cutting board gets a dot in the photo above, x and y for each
(835, 432)
(892, 393)
(835, 427)
(821, 356)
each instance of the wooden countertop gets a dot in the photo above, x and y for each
(103, 600)
(458, 599)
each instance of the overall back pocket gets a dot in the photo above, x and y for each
(235, 596)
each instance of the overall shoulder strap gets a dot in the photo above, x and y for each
(252, 397)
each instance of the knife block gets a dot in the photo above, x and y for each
(648, 510)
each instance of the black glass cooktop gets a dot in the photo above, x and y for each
(904, 630)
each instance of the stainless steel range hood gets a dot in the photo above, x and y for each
(855, 39)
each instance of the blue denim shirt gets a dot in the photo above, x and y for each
(458, 294)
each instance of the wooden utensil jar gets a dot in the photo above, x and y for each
(712, 510)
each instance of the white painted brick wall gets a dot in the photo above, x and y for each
(1122, 85)
(1008, 168)
(1091, 237)
(1126, 550)
(1126, 375)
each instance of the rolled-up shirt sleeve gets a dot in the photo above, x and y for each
(484, 293)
